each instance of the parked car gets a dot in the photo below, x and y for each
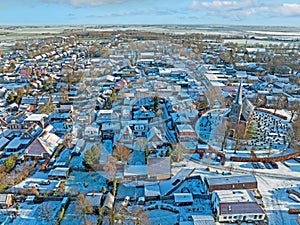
(45, 182)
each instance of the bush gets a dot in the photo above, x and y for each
(10, 163)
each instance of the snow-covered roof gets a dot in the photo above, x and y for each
(231, 179)
(233, 195)
(183, 197)
(152, 190)
(36, 117)
(159, 166)
(3, 142)
(154, 132)
(135, 170)
(59, 172)
(203, 220)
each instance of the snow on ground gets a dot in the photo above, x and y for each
(166, 212)
(36, 178)
(77, 180)
(74, 217)
(129, 190)
(162, 217)
(208, 122)
(37, 214)
(137, 157)
(272, 184)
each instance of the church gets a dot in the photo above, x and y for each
(240, 111)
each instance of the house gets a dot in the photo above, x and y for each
(108, 131)
(44, 146)
(32, 132)
(58, 173)
(155, 138)
(179, 118)
(16, 145)
(236, 205)
(241, 211)
(65, 108)
(40, 119)
(143, 114)
(126, 137)
(91, 133)
(106, 116)
(6, 200)
(186, 133)
(62, 122)
(139, 127)
(159, 168)
(230, 182)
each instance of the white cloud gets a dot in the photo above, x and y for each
(230, 9)
(94, 2)
(195, 5)
(287, 9)
(78, 3)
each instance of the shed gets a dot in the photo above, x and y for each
(59, 173)
(183, 199)
(152, 191)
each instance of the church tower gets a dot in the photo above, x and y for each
(236, 108)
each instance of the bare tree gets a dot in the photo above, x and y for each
(110, 167)
(122, 153)
(45, 211)
(294, 108)
(177, 152)
(142, 143)
(83, 206)
(140, 216)
(221, 133)
(294, 133)
(280, 102)
(67, 140)
(239, 135)
(214, 97)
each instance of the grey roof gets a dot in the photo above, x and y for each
(3, 142)
(203, 220)
(238, 98)
(59, 172)
(152, 190)
(231, 179)
(247, 110)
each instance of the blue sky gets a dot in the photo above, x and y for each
(236, 12)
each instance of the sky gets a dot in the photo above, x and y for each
(72, 12)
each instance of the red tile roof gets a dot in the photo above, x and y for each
(240, 208)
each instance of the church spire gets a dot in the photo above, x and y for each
(238, 97)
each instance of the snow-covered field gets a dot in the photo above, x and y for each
(272, 184)
(78, 180)
(37, 214)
